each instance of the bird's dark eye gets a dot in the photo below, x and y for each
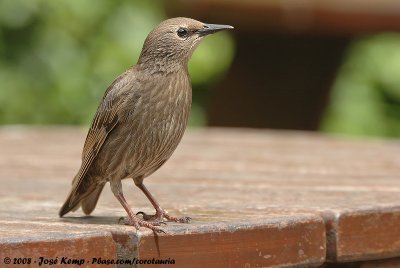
(182, 32)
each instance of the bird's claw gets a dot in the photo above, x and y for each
(159, 217)
(148, 217)
(185, 219)
(137, 223)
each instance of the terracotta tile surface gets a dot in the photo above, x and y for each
(258, 198)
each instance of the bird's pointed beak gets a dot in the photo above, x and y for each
(213, 28)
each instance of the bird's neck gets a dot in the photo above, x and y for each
(164, 65)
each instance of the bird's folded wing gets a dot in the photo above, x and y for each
(105, 120)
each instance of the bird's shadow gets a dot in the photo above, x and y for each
(100, 220)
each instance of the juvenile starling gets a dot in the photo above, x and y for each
(140, 121)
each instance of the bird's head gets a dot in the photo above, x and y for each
(173, 41)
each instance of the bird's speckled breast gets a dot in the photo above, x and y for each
(157, 119)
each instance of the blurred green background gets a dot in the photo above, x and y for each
(58, 57)
(365, 100)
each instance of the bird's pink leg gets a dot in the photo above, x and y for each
(133, 220)
(160, 213)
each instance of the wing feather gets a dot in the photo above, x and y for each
(105, 120)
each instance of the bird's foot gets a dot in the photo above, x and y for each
(161, 215)
(137, 223)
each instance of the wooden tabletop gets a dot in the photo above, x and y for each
(257, 198)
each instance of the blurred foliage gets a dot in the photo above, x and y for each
(58, 57)
(366, 95)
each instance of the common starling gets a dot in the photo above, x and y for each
(140, 121)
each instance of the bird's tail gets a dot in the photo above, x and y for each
(84, 194)
(89, 203)
(71, 204)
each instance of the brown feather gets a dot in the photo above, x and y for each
(141, 118)
(89, 203)
(105, 120)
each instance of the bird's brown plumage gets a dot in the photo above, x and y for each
(140, 120)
